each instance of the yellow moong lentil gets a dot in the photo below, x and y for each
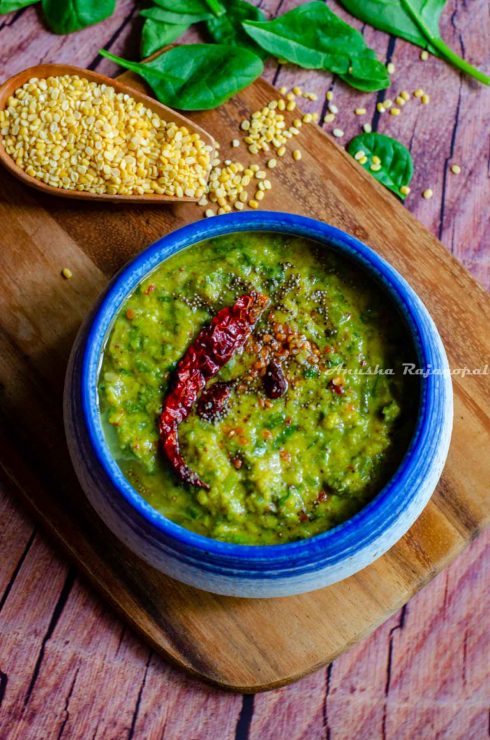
(74, 134)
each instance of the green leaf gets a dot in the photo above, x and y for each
(396, 161)
(181, 11)
(8, 6)
(155, 35)
(416, 21)
(367, 73)
(66, 16)
(389, 16)
(312, 36)
(216, 7)
(197, 76)
(227, 29)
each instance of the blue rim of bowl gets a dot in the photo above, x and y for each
(385, 507)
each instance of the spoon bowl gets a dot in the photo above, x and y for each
(43, 71)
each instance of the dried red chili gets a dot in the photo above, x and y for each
(213, 402)
(213, 347)
(275, 383)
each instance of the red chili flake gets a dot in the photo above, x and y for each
(130, 314)
(237, 462)
(275, 383)
(150, 289)
(303, 516)
(213, 403)
(338, 389)
(322, 496)
(213, 347)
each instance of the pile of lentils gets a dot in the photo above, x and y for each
(74, 134)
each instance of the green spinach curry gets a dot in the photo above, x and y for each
(281, 465)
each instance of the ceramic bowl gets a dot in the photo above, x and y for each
(272, 570)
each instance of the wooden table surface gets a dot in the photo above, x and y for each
(69, 667)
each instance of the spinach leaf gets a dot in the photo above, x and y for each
(155, 35)
(197, 76)
(216, 7)
(181, 11)
(416, 21)
(312, 36)
(227, 29)
(396, 167)
(366, 73)
(8, 6)
(283, 435)
(66, 16)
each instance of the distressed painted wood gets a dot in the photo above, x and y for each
(422, 673)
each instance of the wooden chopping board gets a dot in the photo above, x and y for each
(245, 645)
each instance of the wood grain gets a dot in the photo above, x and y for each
(176, 618)
(354, 695)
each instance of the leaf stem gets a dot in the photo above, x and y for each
(133, 66)
(215, 7)
(443, 48)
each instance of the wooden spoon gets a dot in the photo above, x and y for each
(55, 70)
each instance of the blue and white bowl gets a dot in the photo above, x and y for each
(247, 570)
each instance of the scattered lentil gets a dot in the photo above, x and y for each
(424, 55)
(367, 128)
(455, 169)
(395, 112)
(297, 155)
(418, 93)
(338, 133)
(360, 111)
(425, 99)
(404, 190)
(67, 273)
(427, 194)
(390, 68)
